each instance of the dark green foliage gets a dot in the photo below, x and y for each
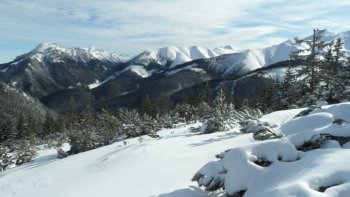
(315, 46)
(7, 131)
(48, 126)
(108, 127)
(147, 106)
(323, 75)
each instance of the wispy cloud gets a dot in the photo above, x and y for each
(130, 26)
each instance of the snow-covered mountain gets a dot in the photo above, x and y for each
(50, 67)
(172, 56)
(226, 60)
(52, 52)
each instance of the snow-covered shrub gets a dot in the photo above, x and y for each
(260, 130)
(165, 121)
(307, 111)
(211, 126)
(195, 129)
(83, 140)
(107, 127)
(61, 153)
(5, 158)
(148, 125)
(25, 153)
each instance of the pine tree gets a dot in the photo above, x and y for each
(221, 106)
(334, 62)
(147, 106)
(48, 125)
(208, 94)
(288, 91)
(237, 102)
(7, 131)
(165, 105)
(108, 127)
(131, 122)
(311, 60)
(339, 56)
(21, 127)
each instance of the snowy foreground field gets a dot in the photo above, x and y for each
(164, 167)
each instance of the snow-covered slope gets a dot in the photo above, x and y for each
(50, 67)
(163, 167)
(228, 60)
(150, 168)
(54, 53)
(153, 167)
(172, 56)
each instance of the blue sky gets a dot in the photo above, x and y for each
(131, 26)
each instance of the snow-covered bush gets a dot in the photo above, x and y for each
(211, 126)
(83, 140)
(25, 153)
(307, 111)
(5, 158)
(61, 153)
(107, 127)
(165, 120)
(261, 130)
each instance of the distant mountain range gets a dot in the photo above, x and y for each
(57, 75)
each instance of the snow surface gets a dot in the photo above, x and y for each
(154, 167)
(189, 67)
(94, 85)
(322, 172)
(163, 167)
(139, 70)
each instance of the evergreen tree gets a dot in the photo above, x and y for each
(221, 106)
(165, 105)
(237, 102)
(131, 122)
(339, 55)
(335, 79)
(108, 127)
(21, 127)
(311, 59)
(7, 131)
(208, 94)
(48, 126)
(147, 106)
(288, 89)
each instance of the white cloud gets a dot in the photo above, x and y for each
(130, 26)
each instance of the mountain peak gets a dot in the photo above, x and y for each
(54, 52)
(44, 46)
